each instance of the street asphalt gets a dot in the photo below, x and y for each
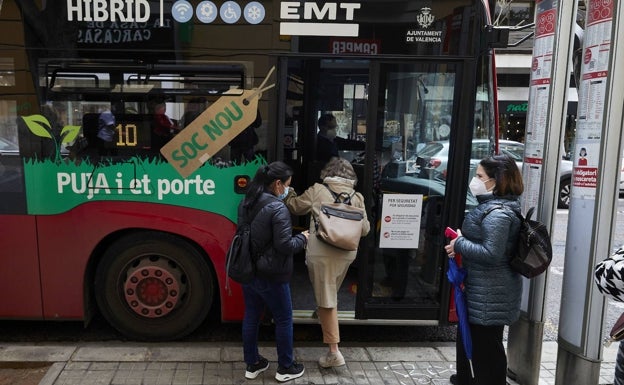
(124, 363)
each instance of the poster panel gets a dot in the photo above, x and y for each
(400, 221)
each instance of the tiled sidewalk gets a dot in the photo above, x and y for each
(122, 363)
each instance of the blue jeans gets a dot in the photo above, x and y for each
(276, 296)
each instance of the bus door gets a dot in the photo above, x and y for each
(394, 125)
(317, 87)
(411, 106)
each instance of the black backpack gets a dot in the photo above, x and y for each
(533, 253)
(240, 262)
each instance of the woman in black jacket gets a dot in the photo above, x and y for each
(272, 240)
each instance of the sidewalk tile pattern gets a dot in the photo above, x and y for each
(214, 364)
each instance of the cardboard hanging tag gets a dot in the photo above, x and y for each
(212, 130)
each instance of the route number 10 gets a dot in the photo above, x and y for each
(126, 135)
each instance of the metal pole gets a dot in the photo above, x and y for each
(594, 194)
(550, 74)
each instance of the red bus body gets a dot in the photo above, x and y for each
(112, 227)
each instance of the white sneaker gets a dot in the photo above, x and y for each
(286, 374)
(331, 360)
(254, 370)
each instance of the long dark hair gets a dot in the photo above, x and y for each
(505, 171)
(263, 179)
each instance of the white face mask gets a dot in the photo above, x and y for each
(477, 186)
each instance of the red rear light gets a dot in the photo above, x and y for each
(434, 163)
(240, 183)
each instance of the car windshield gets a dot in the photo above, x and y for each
(430, 149)
(6, 146)
(514, 150)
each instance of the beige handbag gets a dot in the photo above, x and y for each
(340, 224)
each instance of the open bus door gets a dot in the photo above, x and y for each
(388, 113)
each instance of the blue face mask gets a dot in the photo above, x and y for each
(285, 193)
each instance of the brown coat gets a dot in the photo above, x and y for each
(327, 265)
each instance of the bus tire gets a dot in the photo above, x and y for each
(154, 286)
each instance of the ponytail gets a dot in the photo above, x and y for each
(263, 178)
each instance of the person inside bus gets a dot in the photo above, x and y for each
(492, 289)
(326, 147)
(106, 134)
(328, 265)
(271, 231)
(194, 108)
(242, 146)
(163, 127)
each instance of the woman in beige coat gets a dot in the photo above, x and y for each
(327, 265)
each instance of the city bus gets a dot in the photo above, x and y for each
(97, 221)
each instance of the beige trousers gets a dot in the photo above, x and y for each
(328, 316)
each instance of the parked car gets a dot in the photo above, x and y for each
(433, 158)
(8, 148)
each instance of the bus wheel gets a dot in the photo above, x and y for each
(154, 286)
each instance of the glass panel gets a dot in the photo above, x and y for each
(7, 71)
(349, 107)
(10, 162)
(143, 108)
(416, 121)
(12, 198)
(484, 134)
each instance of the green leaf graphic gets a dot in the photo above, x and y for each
(69, 133)
(38, 125)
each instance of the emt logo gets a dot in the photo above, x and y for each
(313, 19)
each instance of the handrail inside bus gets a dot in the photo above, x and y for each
(132, 77)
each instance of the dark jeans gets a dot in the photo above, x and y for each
(488, 357)
(276, 296)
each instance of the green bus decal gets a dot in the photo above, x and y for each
(57, 185)
(53, 187)
(40, 126)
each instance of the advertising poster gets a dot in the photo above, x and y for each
(592, 93)
(400, 221)
(539, 93)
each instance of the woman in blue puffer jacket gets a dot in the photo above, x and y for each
(486, 241)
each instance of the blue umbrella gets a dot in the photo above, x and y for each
(456, 276)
